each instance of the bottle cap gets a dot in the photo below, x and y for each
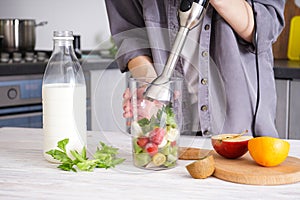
(63, 35)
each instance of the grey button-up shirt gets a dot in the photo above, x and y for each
(217, 65)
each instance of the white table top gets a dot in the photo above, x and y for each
(25, 174)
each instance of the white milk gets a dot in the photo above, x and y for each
(64, 116)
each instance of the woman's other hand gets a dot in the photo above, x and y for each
(145, 108)
(139, 67)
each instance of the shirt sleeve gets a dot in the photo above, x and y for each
(128, 30)
(270, 22)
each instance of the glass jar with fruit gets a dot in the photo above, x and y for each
(155, 125)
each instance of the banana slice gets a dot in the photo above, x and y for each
(172, 134)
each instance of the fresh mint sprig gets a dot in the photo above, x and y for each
(164, 117)
(104, 157)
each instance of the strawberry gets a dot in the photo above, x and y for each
(173, 143)
(142, 141)
(151, 148)
(157, 135)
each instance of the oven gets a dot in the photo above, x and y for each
(21, 101)
(21, 76)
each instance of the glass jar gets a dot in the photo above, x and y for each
(64, 97)
(155, 125)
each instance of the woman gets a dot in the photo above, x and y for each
(217, 61)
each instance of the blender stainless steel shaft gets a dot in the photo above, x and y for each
(190, 14)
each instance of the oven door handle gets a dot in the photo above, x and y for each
(21, 115)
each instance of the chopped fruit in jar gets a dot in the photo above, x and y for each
(142, 141)
(141, 159)
(155, 140)
(174, 150)
(174, 143)
(166, 149)
(159, 159)
(151, 148)
(163, 143)
(172, 134)
(136, 147)
(157, 135)
(172, 158)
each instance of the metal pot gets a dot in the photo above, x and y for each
(18, 34)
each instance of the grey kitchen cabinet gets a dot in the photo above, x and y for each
(282, 109)
(294, 120)
(107, 88)
(288, 108)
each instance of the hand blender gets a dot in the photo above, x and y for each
(190, 13)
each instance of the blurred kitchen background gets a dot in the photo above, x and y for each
(21, 72)
(21, 78)
(86, 18)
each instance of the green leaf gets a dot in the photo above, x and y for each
(143, 122)
(104, 157)
(67, 167)
(87, 165)
(108, 149)
(169, 110)
(77, 156)
(171, 120)
(148, 125)
(59, 155)
(62, 144)
(117, 161)
(83, 153)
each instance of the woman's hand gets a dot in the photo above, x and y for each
(127, 106)
(144, 107)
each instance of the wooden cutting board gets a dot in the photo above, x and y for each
(244, 170)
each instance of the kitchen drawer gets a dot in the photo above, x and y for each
(282, 109)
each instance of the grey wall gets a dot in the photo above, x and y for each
(85, 17)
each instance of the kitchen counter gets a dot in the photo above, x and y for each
(283, 69)
(25, 174)
(27, 68)
(287, 69)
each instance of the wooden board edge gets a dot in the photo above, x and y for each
(264, 180)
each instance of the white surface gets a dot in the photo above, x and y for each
(107, 88)
(85, 18)
(24, 174)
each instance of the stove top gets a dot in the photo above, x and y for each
(25, 57)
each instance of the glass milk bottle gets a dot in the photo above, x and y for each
(64, 97)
